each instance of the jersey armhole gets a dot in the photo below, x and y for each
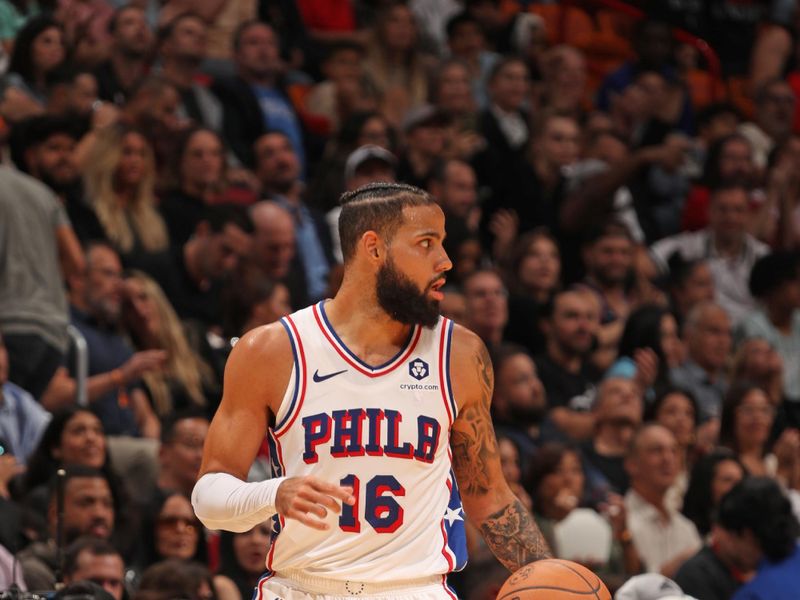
(295, 391)
(445, 342)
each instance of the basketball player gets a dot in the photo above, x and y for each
(377, 412)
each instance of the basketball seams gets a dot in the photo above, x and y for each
(525, 579)
(546, 587)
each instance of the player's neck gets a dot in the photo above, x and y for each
(362, 323)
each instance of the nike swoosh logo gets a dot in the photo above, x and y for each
(320, 378)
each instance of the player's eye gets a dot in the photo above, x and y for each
(425, 243)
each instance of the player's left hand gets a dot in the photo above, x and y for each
(303, 498)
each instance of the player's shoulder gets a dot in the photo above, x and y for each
(267, 342)
(466, 346)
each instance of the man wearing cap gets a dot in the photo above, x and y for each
(367, 164)
(650, 586)
(424, 129)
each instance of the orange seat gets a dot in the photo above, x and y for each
(578, 26)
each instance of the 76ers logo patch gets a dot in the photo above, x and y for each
(418, 369)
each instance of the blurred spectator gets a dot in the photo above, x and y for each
(129, 55)
(114, 369)
(775, 284)
(616, 415)
(533, 277)
(193, 276)
(466, 41)
(654, 49)
(344, 90)
(451, 93)
(564, 82)
(424, 128)
(745, 427)
(274, 250)
(650, 586)
(729, 160)
(761, 526)
(185, 380)
(38, 49)
(778, 218)
(730, 251)
(663, 537)
(33, 308)
(519, 403)
(556, 483)
(22, 420)
(262, 303)
(86, 29)
(757, 361)
(255, 100)
(676, 410)
(278, 170)
(688, 283)
(648, 348)
(504, 126)
(564, 368)
(453, 306)
(182, 438)
(88, 510)
(712, 477)
(95, 560)
(360, 129)
(182, 49)
(120, 183)
(72, 92)
(200, 170)
(170, 530)
(774, 117)
(487, 306)
(707, 336)
(243, 555)
(395, 66)
(454, 186)
(172, 578)
(46, 148)
(608, 258)
(369, 163)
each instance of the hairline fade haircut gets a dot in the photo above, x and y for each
(376, 207)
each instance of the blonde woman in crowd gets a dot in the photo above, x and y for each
(394, 65)
(152, 324)
(120, 178)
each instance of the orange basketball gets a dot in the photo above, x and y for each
(553, 579)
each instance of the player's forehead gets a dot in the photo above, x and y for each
(421, 220)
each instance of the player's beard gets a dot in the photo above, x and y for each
(402, 300)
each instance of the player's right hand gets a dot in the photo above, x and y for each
(304, 498)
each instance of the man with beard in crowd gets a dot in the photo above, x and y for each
(390, 352)
(88, 510)
(131, 43)
(45, 148)
(564, 368)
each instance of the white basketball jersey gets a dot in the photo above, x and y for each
(384, 430)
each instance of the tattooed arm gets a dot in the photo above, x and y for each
(505, 524)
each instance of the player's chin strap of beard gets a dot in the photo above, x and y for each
(222, 501)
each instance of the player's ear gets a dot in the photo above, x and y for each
(372, 244)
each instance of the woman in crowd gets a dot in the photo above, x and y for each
(648, 349)
(39, 48)
(712, 477)
(120, 183)
(200, 167)
(75, 436)
(152, 324)
(242, 557)
(394, 63)
(170, 531)
(556, 483)
(533, 275)
(747, 416)
(676, 410)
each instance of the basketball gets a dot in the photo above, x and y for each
(553, 579)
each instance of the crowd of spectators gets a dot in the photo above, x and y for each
(623, 218)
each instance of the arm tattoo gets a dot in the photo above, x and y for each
(514, 537)
(473, 450)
